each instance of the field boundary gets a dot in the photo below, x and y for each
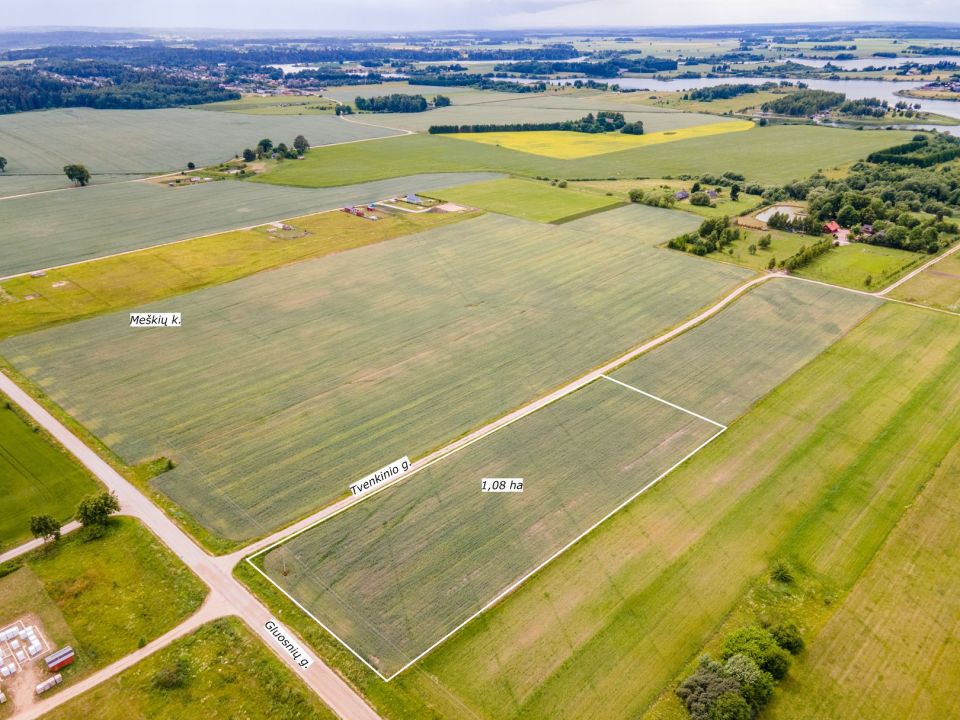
(520, 581)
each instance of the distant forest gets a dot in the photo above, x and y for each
(27, 89)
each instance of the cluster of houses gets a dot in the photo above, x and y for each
(683, 195)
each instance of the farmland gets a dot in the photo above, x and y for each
(440, 331)
(640, 597)
(573, 146)
(441, 552)
(273, 105)
(39, 478)
(938, 285)
(775, 154)
(120, 144)
(48, 230)
(525, 199)
(97, 286)
(73, 588)
(444, 548)
(721, 205)
(211, 663)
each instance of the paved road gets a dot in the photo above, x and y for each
(34, 544)
(228, 596)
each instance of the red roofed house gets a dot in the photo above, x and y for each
(831, 227)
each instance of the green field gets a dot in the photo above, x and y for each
(38, 477)
(119, 144)
(75, 589)
(526, 199)
(99, 286)
(938, 285)
(721, 206)
(48, 230)
(224, 673)
(470, 321)
(273, 105)
(782, 246)
(854, 264)
(799, 150)
(443, 548)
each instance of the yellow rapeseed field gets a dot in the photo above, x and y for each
(565, 145)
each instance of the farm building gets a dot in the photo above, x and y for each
(831, 226)
(682, 195)
(60, 659)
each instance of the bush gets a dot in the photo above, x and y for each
(787, 635)
(636, 195)
(731, 706)
(756, 685)
(562, 184)
(171, 677)
(701, 691)
(782, 572)
(700, 198)
(758, 645)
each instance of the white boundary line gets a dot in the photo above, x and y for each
(516, 584)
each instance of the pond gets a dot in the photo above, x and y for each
(790, 211)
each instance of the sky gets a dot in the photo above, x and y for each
(405, 15)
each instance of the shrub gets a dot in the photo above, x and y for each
(700, 691)
(700, 198)
(758, 645)
(171, 677)
(782, 572)
(562, 183)
(731, 706)
(787, 635)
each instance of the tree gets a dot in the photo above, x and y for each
(695, 188)
(441, 101)
(756, 686)
(787, 635)
(699, 198)
(94, 511)
(758, 645)
(772, 264)
(701, 691)
(265, 146)
(45, 526)
(249, 155)
(752, 249)
(765, 241)
(300, 144)
(735, 192)
(77, 173)
(731, 706)
(3, 164)
(848, 216)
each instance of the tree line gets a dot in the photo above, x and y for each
(920, 152)
(31, 89)
(398, 103)
(480, 82)
(600, 123)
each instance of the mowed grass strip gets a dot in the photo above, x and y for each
(526, 199)
(106, 597)
(573, 145)
(38, 477)
(799, 150)
(938, 285)
(99, 286)
(396, 574)
(44, 231)
(220, 672)
(284, 387)
(862, 266)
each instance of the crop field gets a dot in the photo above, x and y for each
(799, 151)
(142, 142)
(526, 199)
(405, 569)
(215, 659)
(471, 320)
(273, 105)
(48, 230)
(98, 286)
(573, 145)
(898, 627)
(443, 549)
(39, 478)
(938, 285)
